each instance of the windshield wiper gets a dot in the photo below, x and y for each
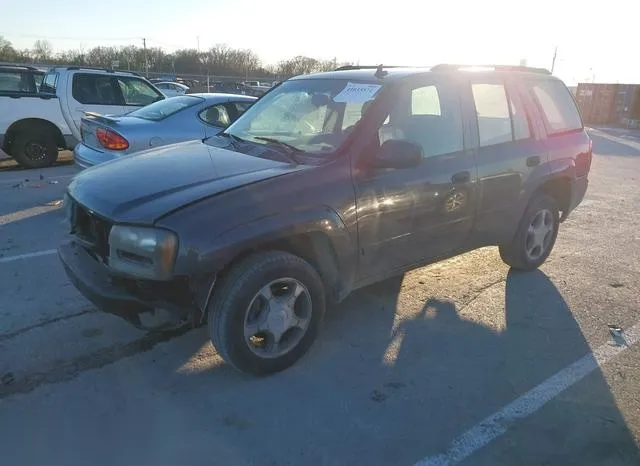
(290, 149)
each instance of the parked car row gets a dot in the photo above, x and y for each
(34, 125)
(43, 113)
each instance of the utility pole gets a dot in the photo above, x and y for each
(198, 40)
(146, 62)
(553, 62)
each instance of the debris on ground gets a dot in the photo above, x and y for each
(618, 335)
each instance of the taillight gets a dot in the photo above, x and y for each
(111, 140)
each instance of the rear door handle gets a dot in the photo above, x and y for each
(461, 177)
(533, 161)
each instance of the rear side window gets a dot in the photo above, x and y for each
(14, 81)
(492, 108)
(557, 106)
(216, 115)
(137, 92)
(94, 89)
(241, 107)
(501, 116)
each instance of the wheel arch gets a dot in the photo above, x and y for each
(559, 188)
(318, 237)
(31, 124)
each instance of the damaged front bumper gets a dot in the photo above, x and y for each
(165, 306)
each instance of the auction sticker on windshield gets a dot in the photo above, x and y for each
(357, 92)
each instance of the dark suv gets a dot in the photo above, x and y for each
(328, 183)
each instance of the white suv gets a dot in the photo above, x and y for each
(33, 126)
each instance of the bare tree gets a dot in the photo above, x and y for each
(42, 51)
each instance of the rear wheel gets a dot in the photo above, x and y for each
(35, 148)
(536, 235)
(267, 312)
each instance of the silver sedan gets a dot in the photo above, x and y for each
(168, 121)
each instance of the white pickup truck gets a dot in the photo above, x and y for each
(35, 125)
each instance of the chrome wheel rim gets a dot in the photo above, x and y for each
(539, 234)
(277, 318)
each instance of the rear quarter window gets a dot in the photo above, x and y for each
(95, 89)
(557, 106)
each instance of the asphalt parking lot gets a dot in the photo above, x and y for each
(461, 362)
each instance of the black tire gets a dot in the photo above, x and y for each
(235, 293)
(514, 253)
(35, 148)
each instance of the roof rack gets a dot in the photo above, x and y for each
(13, 65)
(367, 67)
(95, 68)
(452, 67)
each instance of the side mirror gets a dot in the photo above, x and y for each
(398, 153)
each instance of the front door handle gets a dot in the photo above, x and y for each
(533, 161)
(461, 177)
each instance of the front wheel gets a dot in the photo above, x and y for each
(535, 237)
(267, 312)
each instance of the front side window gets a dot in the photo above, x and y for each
(425, 101)
(492, 110)
(307, 114)
(137, 92)
(428, 116)
(95, 89)
(164, 108)
(49, 83)
(557, 105)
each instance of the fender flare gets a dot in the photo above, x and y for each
(321, 223)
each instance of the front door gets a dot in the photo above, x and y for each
(409, 216)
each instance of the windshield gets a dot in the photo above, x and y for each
(163, 108)
(311, 115)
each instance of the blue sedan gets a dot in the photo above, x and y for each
(168, 121)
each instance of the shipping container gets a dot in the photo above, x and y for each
(605, 104)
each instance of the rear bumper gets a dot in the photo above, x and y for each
(86, 157)
(93, 280)
(578, 190)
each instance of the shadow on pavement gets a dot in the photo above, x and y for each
(607, 147)
(387, 388)
(381, 387)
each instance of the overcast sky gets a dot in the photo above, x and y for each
(592, 39)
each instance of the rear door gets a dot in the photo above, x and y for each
(92, 92)
(510, 153)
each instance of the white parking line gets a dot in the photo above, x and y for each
(29, 255)
(498, 423)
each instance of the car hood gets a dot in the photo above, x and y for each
(145, 186)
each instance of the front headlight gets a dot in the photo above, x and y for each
(142, 252)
